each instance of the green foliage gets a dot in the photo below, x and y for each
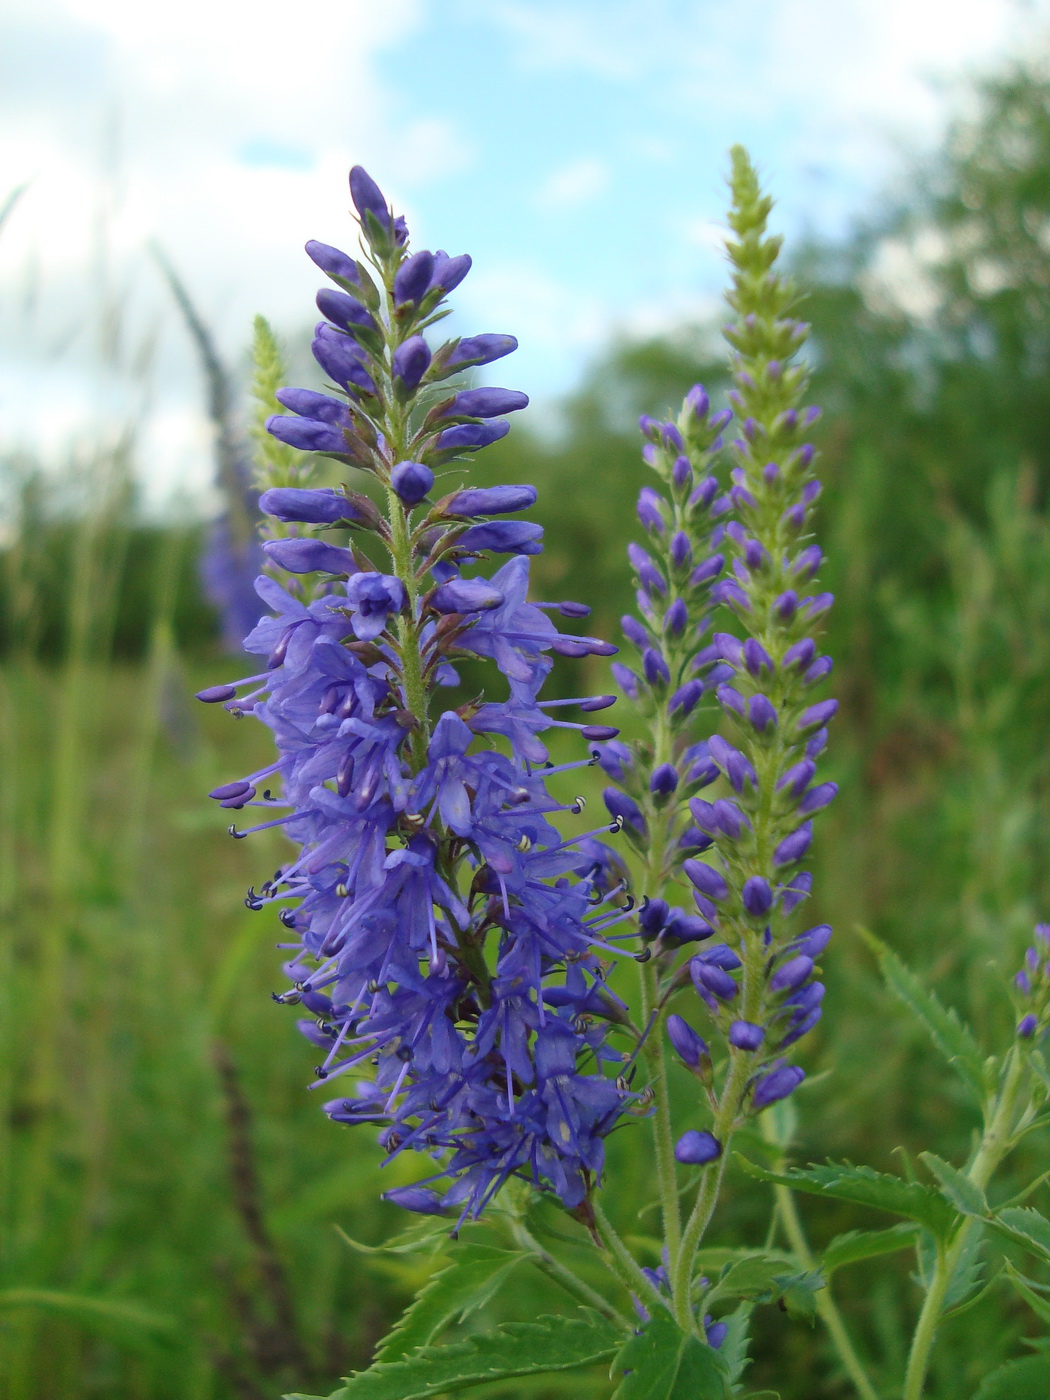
(664, 1363)
(1027, 1227)
(856, 1245)
(865, 1186)
(965, 1195)
(952, 1038)
(515, 1349)
(1027, 1379)
(462, 1286)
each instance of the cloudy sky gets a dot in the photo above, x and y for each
(575, 147)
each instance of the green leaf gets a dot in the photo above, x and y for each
(951, 1036)
(1027, 1288)
(1025, 1226)
(798, 1292)
(762, 1395)
(965, 1195)
(755, 1276)
(866, 1187)
(110, 1317)
(664, 1363)
(1027, 1379)
(515, 1349)
(418, 1237)
(733, 1350)
(856, 1245)
(455, 1291)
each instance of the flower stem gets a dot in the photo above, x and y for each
(995, 1144)
(570, 1281)
(710, 1184)
(619, 1260)
(826, 1306)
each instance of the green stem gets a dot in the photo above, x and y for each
(663, 1137)
(826, 1306)
(619, 1260)
(560, 1272)
(710, 1185)
(996, 1142)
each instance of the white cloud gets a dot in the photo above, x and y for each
(573, 185)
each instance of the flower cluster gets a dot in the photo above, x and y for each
(445, 938)
(758, 982)
(1032, 987)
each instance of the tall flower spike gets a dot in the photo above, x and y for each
(442, 932)
(770, 667)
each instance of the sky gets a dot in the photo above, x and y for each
(576, 148)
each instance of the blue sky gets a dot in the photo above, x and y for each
(575, 147)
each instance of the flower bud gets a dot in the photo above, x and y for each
(411, 481)
(745, 1035)
(697, 1147)
(690, 1048)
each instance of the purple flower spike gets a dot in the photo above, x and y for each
(664, 780)
(411, 361)
(411, 481)
(369, 198)
(502, 537)
(761, 713)
(795, 846)
(308, 556)
(1026, 1027)
(697, 403)
(413, 278)
(791, 974)
(690, 1048)
(757, 896)
(375, 596)
(416, 1198)
(480, 350)
(745, 1035)
(624, 808)
(493, 500)
(707, 977)
(346, 311)
(697, 1147)
(467, 437)
(466, 595)
(777, 1084)
(706, 878)
(487, 403)
(306, 433)
(310, 507)
(337, 264)
(817, 798)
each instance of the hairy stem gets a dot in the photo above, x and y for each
(619, 1260)
(562, 1274)
(826, 1306)
(995, 1144)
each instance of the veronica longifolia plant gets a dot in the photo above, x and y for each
(454, 948)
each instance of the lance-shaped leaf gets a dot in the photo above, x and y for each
(866, 1187)
(664, 1363)
(453, 1292)
(856, 1245)
(1027, 1379)
(965, 1195)
(1033, 1293)
(515, 1349)
(1026, 1227)
(951, 1036)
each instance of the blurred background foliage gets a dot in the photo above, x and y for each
(168, 1192)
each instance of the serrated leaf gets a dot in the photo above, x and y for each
(733, 1350)
(798, 1292)
(417, 1237)
(454, 1292)
(1027, 1227)
(515, 1349)
(952, 1037)
(856, 1245)
(1027, 1379)
(1027, 1290)
(664, 1363)
(753, 1276)
(867, 1187)
(965, 1195)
